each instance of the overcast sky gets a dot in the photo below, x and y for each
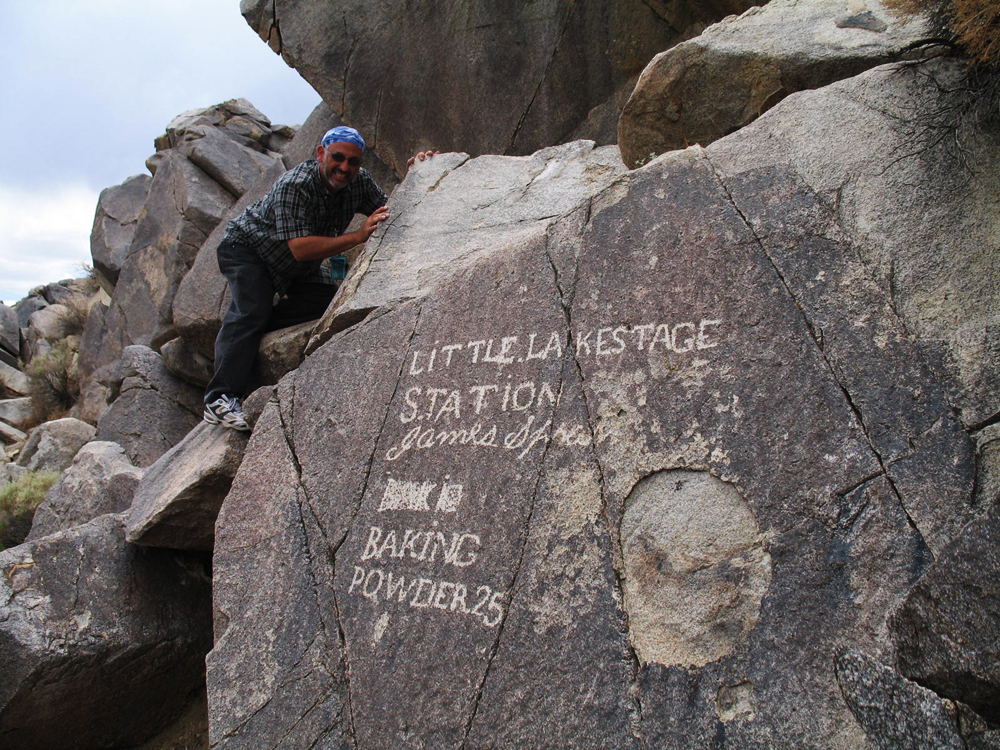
(86, 87)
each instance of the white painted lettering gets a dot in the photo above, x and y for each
(688, 343)
(441, 598)
(415, 601)
(703, 342)
(366, 589)
(451, 406)
(517, 404)
(449, 350)
(371, 546)
(449, 499)
(662, 334)
(481, 391)
(474, 345)
(413, 364)
(643, 330)
(358, 577)
(406, 495)
(410, 392)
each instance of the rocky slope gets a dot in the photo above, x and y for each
(702, 454)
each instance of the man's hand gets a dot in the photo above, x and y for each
(371, 223)
(318, 247)
(422, 155)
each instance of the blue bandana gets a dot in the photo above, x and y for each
(344, 134)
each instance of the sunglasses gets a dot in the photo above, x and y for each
(339, 158)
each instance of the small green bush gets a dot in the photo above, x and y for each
(18, 502)
(53, 389)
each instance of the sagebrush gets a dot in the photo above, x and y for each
(18, 502)
(73, 318)
(53, 387)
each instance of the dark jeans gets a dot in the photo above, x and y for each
(251, 315)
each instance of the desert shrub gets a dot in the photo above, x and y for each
(973, 25)
(18, 502)
(976, 23)
(73, 318)
(965, 124)
(88, 283)
(53, 389)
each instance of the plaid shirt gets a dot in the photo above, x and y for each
(300, 205)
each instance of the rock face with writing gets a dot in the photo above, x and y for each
(637, 478)
(454, 210)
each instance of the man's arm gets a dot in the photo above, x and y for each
(315, 247)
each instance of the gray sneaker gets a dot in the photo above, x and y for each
(227, 411)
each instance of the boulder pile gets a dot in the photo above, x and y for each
(686, 441)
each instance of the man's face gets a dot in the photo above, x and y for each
(338, 164)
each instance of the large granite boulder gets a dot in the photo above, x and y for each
(101, 480)
(16, 411)
(183, 208)
(30, 304)
(11, 435)
(202, 297)
(453, 210)
(231, 164)
(187, 363)
(101, 642)
(47, 324)
(10, 336)
(178, 499)
(947, 631)
(716, 83)
(639, 477)
(52, 445)
(907, 201)
(118, 211)
(497, 78)
(13, 382)
(152, 409)
(205, 160)
(237, 119)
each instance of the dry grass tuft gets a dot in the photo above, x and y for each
(977, 25)
(973, 25)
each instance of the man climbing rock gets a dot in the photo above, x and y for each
(277, 246)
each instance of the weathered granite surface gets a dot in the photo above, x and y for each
(639, 476)
(152, 409)
(862, 145)
(708, 87)
(498, 78)
(178, 499)
(452, 210)
(101, 642)
(118, 211)
(947, 631)
(101, 480)
(52, 445)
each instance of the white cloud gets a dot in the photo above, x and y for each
(89, 86)
(45, 237)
